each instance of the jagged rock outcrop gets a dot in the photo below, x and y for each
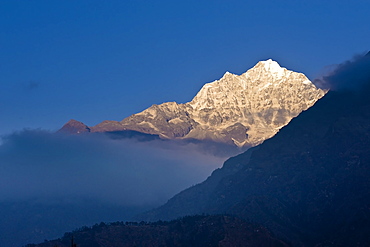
(242, 110)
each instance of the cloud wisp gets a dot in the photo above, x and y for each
(351, 75)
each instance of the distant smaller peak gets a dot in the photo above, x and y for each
(74, 127)
(71, 121)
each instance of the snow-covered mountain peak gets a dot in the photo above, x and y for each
(272, 67)
(227, 74)
(241, 110)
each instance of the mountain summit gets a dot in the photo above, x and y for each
(242, 110)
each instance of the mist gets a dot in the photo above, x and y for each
(44, 165)
(54, 182)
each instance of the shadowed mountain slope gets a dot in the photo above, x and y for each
(309, 184)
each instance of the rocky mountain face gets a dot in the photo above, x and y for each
(194, 231)
(309, 183)
(242, 110)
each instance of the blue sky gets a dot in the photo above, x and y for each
(96, 60)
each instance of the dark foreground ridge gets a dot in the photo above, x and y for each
(309, 184)
(188, 231)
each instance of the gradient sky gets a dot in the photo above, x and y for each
(95, 60)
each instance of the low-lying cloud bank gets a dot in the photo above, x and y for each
(36, 164)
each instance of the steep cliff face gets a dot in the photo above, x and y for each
(242, 110)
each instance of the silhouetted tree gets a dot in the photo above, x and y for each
(73, 243)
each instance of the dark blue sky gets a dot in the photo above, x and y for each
(95, 60)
